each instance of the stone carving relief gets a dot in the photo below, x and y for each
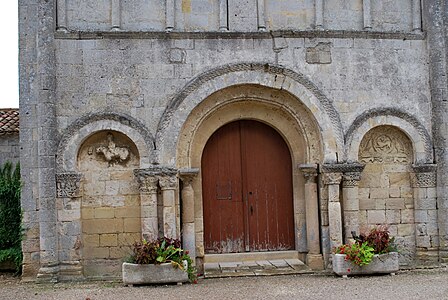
(67, 185)
(385, 145)
(112, 153)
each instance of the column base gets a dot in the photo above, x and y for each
(315, 261)
(48, 274)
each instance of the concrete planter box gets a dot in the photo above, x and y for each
(381, 264)
(152, 274)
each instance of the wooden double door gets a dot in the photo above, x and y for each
(247, 190)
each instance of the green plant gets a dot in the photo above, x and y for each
(163, 250)
(10, 215)
(359, 254)
(366, 245)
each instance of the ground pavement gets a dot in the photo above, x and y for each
(417, 284)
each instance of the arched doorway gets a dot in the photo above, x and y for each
(247, 190)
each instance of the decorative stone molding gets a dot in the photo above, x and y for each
(424, 176)
(90, 123)
(277, 70)
(67, 185)
(309, 172)
(342, 168)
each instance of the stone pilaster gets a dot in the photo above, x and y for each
(319, 14)
(434, 17)
(169, 184)
(332, 181)
(423, 181)
(223, 16)
(188, 226)
(314, 257)
(68, 205)
(148, 199)
(47, 144)
(350, 181)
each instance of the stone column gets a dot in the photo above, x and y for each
(423, 181)
(169, 15)
(169, 183)
(350, 182)
(223, 16)
(115, 15)
(261, 16)
(366, 14)
(188, 227)
(314, 258)
(319, 14)
(332, 181)
(416, 16)
(148, 197)
(62, 15)
(68, 203)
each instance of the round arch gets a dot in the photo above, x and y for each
(276, 108)
(269, 76)
(421, 142)
(75, 134)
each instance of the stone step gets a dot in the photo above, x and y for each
(250, 256)
(255, 268)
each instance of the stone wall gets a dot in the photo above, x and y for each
(143, 71)
(9, 148)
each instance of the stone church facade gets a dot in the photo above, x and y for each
(191, 118)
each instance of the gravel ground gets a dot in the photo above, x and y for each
(417, 284)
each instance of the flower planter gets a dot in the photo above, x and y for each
(152, 274)
(381, 264)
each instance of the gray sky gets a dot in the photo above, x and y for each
(9, 78)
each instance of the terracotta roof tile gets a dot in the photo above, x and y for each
(9, 121)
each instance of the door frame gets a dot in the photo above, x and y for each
(276, 108)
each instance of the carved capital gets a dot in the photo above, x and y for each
(147, 183)
(168, 182)
(309, 172)
(343, 168)
(187, 175)
(351, 179)
(332, 178)
(67, 185)
(424, 176)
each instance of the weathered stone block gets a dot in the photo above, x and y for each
(104, 213)
(379, 193)
(376, 216)
(132, 225)
(108, 240)
(102, 226)
(406, 229)
(395, 203)
(393, 216)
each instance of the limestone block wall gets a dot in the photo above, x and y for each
(110, 204)
(9, 148)
(385, 192)
(238, 16)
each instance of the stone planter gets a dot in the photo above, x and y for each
(381, 264)
(152, 274)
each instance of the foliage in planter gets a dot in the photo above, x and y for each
(10, 215)
(376, 241)
(163, 250)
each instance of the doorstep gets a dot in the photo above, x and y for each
(253, 264)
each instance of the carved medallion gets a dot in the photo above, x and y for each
(385, 144)
(67, 185)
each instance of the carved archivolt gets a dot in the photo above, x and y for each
(385, 144)
(67, 185)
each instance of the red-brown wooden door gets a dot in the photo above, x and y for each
(247, 190)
